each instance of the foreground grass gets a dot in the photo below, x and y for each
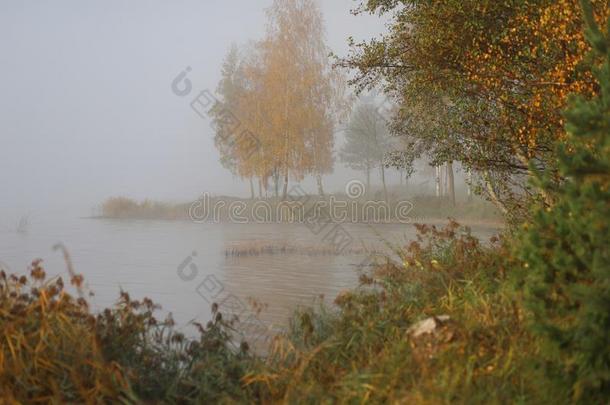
(366, 349)
(480, 352)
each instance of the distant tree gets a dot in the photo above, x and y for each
(367, 142)
(284, 91)
(230, 90)
(304, 97)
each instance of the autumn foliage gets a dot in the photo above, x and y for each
(284, 93)
(482, 82)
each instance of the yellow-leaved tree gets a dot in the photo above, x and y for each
(284, 91)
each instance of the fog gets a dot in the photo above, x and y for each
(86, 109)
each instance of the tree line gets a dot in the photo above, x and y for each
(479, 84)
(483, 83)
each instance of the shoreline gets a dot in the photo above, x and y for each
(491, 223)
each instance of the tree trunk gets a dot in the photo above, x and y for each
(437, 180)
(285, 185)
(450, 183)
(286, 144)
(276, 182)
(385, 190)
(469, 185)
(315, 165)
(444, 180)
(252, 195)
(320, 187)
(492, 194)
(260, 188)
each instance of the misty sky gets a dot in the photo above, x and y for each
(85, 100)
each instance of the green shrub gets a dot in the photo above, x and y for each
(565, 248)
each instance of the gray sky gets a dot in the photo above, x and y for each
(86, 110)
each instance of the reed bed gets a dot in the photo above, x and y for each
(258, 248)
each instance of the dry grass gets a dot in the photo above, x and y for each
(54, 350)
(48, 348)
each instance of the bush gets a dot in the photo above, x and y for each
(48, 348)
(52, 348)
(565, 248)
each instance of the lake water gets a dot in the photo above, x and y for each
(183, 266)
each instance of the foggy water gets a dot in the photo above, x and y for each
(144, 258)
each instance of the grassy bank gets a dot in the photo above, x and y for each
(443, 326)
(230, 209)
(475, 344)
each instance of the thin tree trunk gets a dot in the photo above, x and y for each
(492, 194)
(320, 186)
(276, 182)
(252, 195)
(469, 185)
(315, 165)
(285, 185)
(444, 180)
(286, 144)
(437, 180)
(260, 188)
(451, 182)
(385, 190)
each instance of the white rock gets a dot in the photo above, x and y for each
(428, 325)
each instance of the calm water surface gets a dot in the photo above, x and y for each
(144, 258)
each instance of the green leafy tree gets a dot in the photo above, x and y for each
(367, 142)
(482, 82)
(565, 248)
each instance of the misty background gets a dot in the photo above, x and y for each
(86, 107)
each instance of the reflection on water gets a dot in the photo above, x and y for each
(143, 258)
